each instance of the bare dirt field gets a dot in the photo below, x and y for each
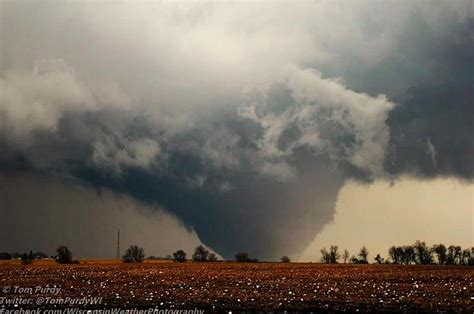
(239, 286)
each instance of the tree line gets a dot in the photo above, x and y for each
(63, 256)
(418, 253)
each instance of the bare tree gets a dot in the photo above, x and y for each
(179, 256)
(333, 254)
(363, 254)
(466, 255)
(212, 257)
(379, 259)
(345, 256)
(423, 253)
(134, 254)
(458, 254)
(396, 254)
(451, 255)
(408, 254)
(63, 255)
(325, 256)
(201, 254)
(440, 251)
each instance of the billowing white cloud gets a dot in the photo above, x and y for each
(37, 101)
(329, 118)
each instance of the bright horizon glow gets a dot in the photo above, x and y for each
(380, 215)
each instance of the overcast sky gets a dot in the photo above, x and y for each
(240, 125)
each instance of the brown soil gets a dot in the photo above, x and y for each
(250, 286)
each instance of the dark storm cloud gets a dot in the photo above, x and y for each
(231, 127)
(435, 118)
(66, 212)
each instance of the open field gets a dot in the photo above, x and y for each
(229, 285)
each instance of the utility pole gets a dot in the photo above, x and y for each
(118, 243)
